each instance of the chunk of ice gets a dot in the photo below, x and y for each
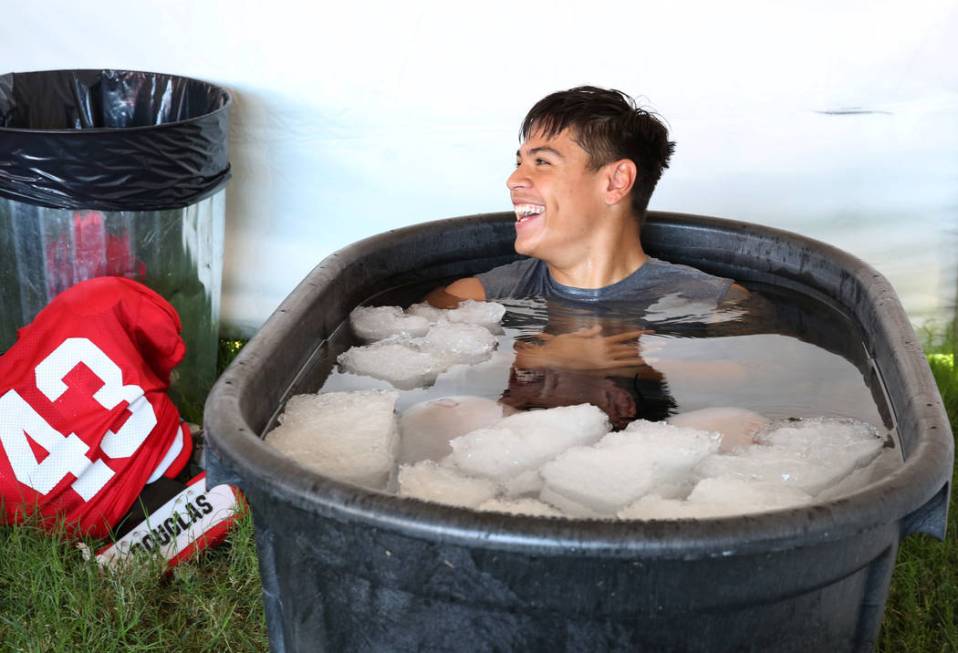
(427, 311)
(738, 426)
(458, 343)
(652, 506)
(768, 465)
(566, 506)
(884, 464)
(672, 450)
(525, 506)
(484, 314)
(527, 482)
(399, 364)
(717, 497)
(626, 465)
(829, 441)
(810, 454)
(525, 440)
(427, 427)
(430, 481)
(409, 363)
(347, 436)
(372, 323)
(745, 496)
(601, 480)
(582, 423)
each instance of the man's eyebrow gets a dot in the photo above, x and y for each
(542, 149)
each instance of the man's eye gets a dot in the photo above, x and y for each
(541, 162)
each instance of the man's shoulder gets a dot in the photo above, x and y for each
(690, 282)
(661, 267)
(519, 266)
(522, 278)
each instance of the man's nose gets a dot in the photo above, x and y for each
(518, 179)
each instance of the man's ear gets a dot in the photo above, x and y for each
(621, 178)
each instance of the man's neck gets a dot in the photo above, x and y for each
(606, 259)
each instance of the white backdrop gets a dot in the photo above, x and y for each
(837, 120)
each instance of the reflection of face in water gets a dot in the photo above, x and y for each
(589, 354)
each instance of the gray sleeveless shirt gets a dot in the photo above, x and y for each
(529, 277)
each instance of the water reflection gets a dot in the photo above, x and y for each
(776, 353)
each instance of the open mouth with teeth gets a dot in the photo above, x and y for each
(525, 212)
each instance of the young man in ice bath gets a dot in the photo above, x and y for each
(584, 174)
(587, 166)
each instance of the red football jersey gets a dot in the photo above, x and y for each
(85, 421)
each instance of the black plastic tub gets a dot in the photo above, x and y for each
(349, 569)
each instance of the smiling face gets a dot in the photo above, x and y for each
(557, 198)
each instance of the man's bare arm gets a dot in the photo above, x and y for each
(736, 293)
(582, 350)
(458, 291)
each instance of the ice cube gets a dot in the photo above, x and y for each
(601, 481)
(652, 506)
(773, 465)
(567, 506)
(527, 506)
(624, 466)
(676, 489)
(527, 482)
(347, 436)
(744, 496)
(457, 343)
(427, 427)
(399, 364)
(583, 422)
(830, 441)
(766, 465)
(810, 454)
(717, 497)
(886, 462)
(738, 426)
(525, 440)
(427, 311)
(430, 481)
(672, 450)
(409, 363)
(484, 314)
(342, 381)
(372, 323)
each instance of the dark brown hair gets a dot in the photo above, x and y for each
(608, 125)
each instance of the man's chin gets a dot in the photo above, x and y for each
(523, 248)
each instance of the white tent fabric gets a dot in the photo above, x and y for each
(839, 121)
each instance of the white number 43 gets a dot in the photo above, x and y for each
(67, 454)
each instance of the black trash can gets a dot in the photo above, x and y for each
(346, 569)
(114, 172)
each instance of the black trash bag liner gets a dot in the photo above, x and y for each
(111, 140)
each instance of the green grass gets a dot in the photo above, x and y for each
(53, 600)
(921, 611)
